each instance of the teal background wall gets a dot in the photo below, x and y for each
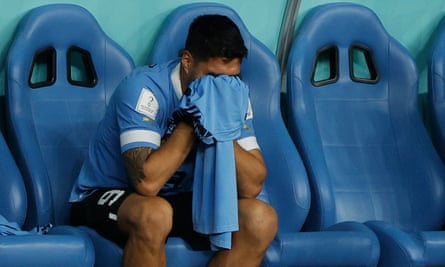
(134, 24)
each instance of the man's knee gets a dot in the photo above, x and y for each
(149, 218)
(259, 218)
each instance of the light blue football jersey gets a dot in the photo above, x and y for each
(138, 115)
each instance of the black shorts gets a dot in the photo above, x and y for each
(99, 211)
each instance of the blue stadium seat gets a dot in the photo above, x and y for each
(29, 250)
(436, 90)
(61, 71)
(353, 113)
(287, 188)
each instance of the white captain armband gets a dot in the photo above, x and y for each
(248, 143)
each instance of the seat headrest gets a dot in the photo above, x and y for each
(61, 25)
(341, 23)
(357, 47)
(56, 34)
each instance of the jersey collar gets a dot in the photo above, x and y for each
(174, 76)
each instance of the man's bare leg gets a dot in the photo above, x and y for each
(258, 225)
(148, 221)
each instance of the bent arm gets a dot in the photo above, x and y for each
(149, 169)
(251, 171)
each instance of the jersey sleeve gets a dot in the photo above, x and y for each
(139, 114)
(248, 140)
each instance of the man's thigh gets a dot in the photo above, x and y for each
(99, 211)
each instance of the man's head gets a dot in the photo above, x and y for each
(215, 36)
(214, 45)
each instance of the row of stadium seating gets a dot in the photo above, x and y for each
(353, 174)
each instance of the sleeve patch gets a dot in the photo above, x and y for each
(147, 104)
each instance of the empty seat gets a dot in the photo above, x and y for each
(353, 113)
(61, 71)
(436, 90)
(62, 246)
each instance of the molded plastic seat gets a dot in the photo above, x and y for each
(286, 186)
(436, 90)
(29, 250)
(61, 71)
(353, 113)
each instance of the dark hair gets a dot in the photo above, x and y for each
(215, 36)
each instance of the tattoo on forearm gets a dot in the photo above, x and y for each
(134, 163)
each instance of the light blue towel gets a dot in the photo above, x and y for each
(219, 105)
(215, 201)
(12, 228)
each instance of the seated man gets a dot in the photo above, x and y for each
(135, 187)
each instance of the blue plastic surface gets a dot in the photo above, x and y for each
(367, 153)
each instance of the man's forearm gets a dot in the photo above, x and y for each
(162, 163)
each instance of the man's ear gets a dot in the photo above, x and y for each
(186, 61)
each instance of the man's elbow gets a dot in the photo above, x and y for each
(251, 192)
(147, 189)
(253, 189)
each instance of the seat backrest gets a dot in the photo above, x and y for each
(61, 71)
(286, 183)
(436, 90)
(352, 104)
(13, 198)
